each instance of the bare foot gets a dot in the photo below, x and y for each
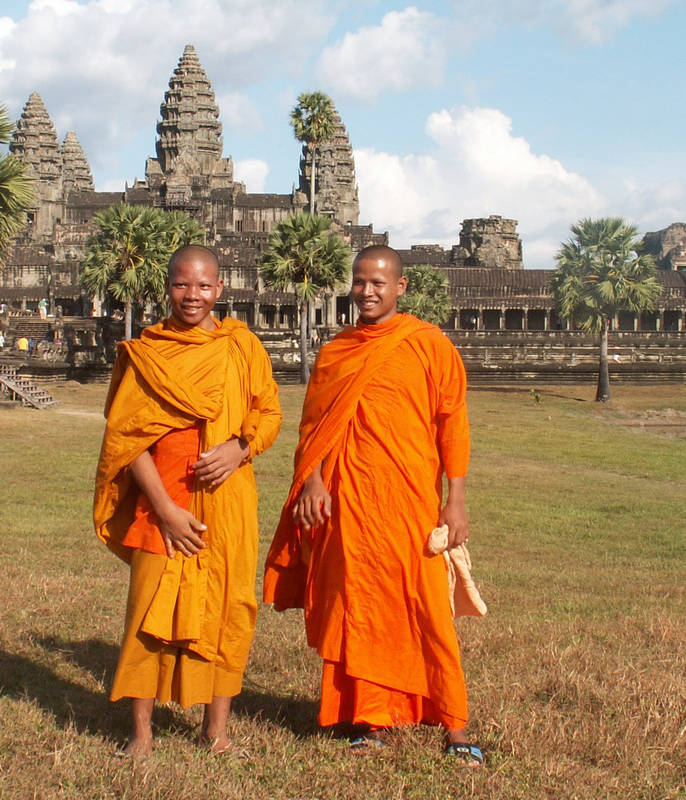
(137, 748)
(221, 745)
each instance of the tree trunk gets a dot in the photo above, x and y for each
(304, 367)
(603, 391)
(312, 180)
(49, 294)
(128, 320)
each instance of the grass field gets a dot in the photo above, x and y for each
(577, 675)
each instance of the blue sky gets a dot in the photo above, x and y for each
(540, 110)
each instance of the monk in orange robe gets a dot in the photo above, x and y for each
(190, 404)
(384, 417)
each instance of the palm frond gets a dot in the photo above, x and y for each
(304, 256)
(427, 294)
(601, 272)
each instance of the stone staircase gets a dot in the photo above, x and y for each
(23, 390)
(30, 327)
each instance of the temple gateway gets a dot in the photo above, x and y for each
(503, 316)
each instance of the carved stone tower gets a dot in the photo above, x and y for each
(335, 186)
(491, 242)
(189, 161)
(76, 172)
(35, 142)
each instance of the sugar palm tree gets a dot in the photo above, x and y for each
(127, 257)
(602, 271)
(304, 255)
(314, 121)
(16, 187)
(427, 294)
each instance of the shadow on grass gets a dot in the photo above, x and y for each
(295, 714)
(71, 703)
(74, 704)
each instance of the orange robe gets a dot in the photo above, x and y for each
(178, 391)
(385, 411)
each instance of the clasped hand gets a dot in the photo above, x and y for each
(181, 531)
(220, 461)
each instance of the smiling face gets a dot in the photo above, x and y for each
(377, 285)
(194, 286)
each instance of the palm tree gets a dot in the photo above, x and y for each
(427, 294)
(314, 121)
(16, 187)
(303, 254)
(601, 272)
(127, 258)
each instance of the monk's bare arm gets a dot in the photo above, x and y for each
(313, 506)
(220, 461)
(180, 529)
(454, 513)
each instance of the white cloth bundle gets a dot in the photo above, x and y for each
(465, 599)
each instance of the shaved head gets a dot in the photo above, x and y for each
(380, 252)
(195, 251)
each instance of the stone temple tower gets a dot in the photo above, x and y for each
(189, 161)
(335, 186)
(76, 172)
(35, 143)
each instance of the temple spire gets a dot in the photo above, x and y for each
(76, 170)
(189, 129)
(35, 143)
(336, 186)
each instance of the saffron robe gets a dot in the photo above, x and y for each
(189, 621)
(385, 412)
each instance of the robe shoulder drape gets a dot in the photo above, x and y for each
(386, 413)
(177, 378)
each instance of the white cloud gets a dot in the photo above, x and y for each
(7, 25)
(60, 7)
(594, 21)
(651, 205)
(252, 172)
(583, 21)
(238, 112)
(409, 48)
(113, 185)
(475, 167)
(102, 66)
(405, 51)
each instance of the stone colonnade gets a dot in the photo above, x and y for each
(525, 318)
(332, 311)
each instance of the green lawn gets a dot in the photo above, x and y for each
(577, 675)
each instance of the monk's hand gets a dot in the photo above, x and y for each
(314, 503)
(455, 517)
(180, 530)
(220, 461)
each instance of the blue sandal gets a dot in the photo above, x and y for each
(367, 740)
(467, 752)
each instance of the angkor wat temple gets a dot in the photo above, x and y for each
(491, 291)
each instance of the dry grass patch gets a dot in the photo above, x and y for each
(576, 675)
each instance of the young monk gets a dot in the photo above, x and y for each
(384, 417)
(190, 404)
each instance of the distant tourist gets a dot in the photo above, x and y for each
(384, 418)
(23, 344)
(175, 497)
(2, 341)
(43, 308)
